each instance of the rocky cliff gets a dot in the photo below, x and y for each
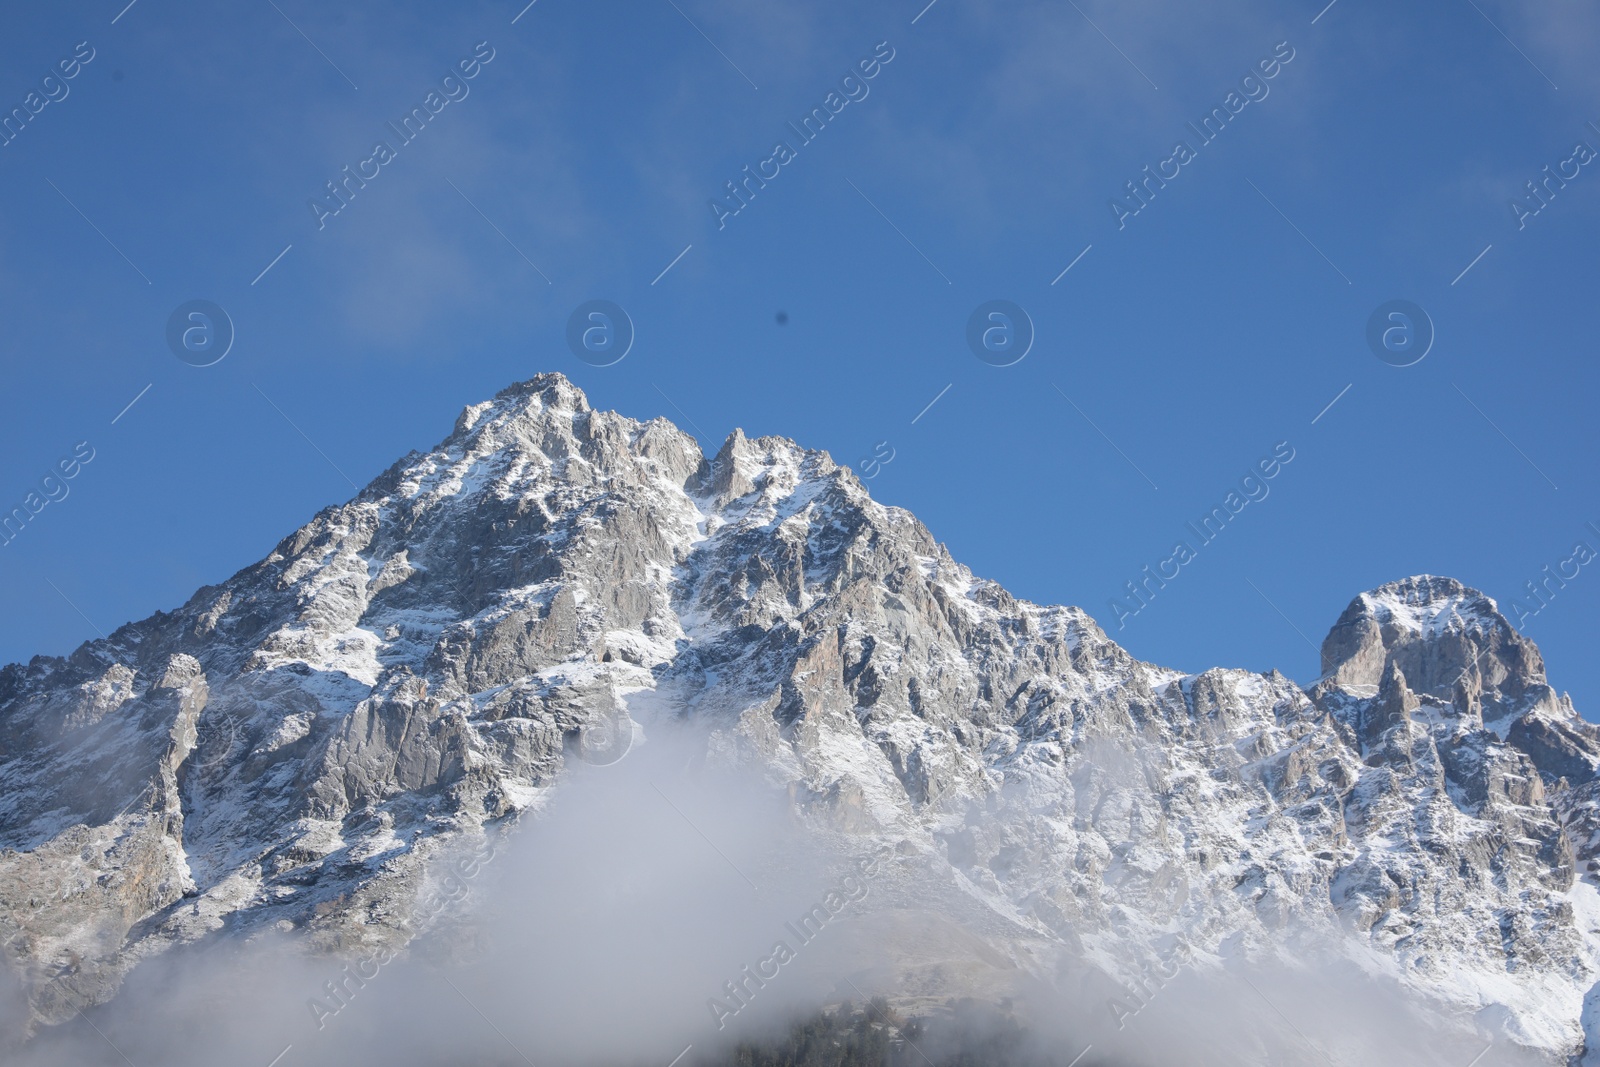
(290, 747)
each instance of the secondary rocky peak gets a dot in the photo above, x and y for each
(1442, 634)
(1434, 644)
(733, 467)
(773, 465)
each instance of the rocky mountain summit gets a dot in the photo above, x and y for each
(289, 748)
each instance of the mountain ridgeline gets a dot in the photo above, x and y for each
(292, 748)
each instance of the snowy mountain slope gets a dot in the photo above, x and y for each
(290, 747)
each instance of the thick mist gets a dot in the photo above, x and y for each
(658, 908)
(653, 904)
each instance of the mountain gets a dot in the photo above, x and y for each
(290, 749)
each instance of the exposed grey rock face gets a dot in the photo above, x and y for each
(290, 747)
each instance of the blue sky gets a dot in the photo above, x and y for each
(581, 160)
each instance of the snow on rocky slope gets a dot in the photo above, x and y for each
(289, 748)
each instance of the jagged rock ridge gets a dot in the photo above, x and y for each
(290, 747)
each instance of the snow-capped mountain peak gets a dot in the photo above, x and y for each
(289, 747)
